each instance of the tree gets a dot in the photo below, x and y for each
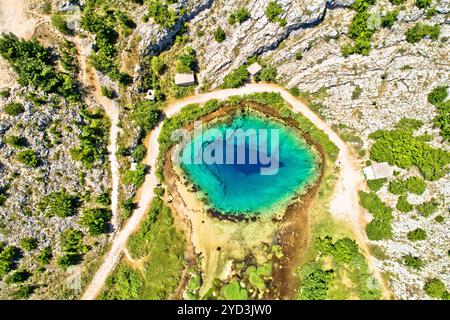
(28, 157)
(219, 35)
(96, 220)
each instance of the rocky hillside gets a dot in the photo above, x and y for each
(362, 65)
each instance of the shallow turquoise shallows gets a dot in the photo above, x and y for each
(238, 187)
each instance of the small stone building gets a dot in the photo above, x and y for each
(184, 79)
(378, 171)
(254, 69)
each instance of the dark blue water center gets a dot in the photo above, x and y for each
(254, 173)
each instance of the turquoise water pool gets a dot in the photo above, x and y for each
(249, 165)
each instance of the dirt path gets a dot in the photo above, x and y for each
(344, 206)
(90, 78)
(13, 18)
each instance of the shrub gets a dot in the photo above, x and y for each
(403, 205)
(124, 284)
(240, 15)
(399, 147)
(413, 262)
(28, 157)
(359, 30)
(414, 185)
(15, 141)
(96, 220)
(344, 250)
(236, 78)
(439, 219)
(315, 282)
(108, 92)
(93, 138)
(60, 23)
(417, 235)
(127, 207)
(59, 203)
(427, 208)
(28, 244)
(8, 256)
(3, 196)
(162, 14)
(4, 93)
(268, 74)
(18, 276)
(34, 65)
(298, 55)
(147, 114)
(45, 256)
(435, 288)
(159, 191)
(72, 248)
(103, 199)
(376, 184)
(380, 227)
(139, 153)
(388, 20)
(24, 291)
(409, 124)
(295, 91)
(47, 7)
(233, 291)
(422, 3)
(14, 109)
(125, 20)
(219, 35)
(273, 11)
(135, 177)
(186, 61)
(438, 95)
(420, 31)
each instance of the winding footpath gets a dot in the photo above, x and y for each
(344, 206)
